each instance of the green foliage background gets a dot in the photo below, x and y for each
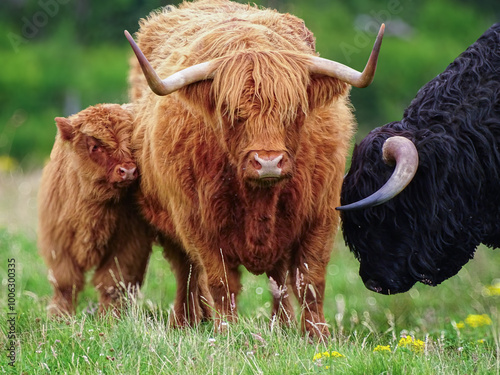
(59, 56)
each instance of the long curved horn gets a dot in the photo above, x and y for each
(344, 73)
(396, 150)
(176, 81)
(205, 70)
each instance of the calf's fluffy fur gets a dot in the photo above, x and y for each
(87, 212)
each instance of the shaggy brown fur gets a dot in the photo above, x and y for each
(87, 212)
(193, 149)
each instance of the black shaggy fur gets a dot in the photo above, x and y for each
(430, 230)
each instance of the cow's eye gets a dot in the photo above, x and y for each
(94, 145)
(239, 121)
(95, 148)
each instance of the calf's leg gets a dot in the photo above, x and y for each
(67, 279)
(121, 271)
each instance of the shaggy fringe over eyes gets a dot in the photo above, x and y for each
(110, 124)
(275, 83)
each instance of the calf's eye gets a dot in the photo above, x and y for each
(95, 148)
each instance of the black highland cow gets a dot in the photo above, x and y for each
(452, 204)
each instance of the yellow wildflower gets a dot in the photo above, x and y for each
(409, 342)
(492, 290)
(405, 341)
(418, 346)
(317, 356)
(476, 321)
(327, 355)
(337, 354)
(382, 348)
(460, 325)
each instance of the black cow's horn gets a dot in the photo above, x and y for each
(396, 150)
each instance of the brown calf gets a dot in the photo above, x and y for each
(87, 216)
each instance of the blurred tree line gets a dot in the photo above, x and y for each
(59, 56)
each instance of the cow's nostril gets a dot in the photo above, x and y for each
(255, 164)
(268, 166)
(127, 173)
(373, 286)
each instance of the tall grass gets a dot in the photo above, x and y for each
(140, 342)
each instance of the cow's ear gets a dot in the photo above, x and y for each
(65, 128)
(323, 90)
(199, 96)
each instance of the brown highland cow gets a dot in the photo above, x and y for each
(87, 215)
(242, 152)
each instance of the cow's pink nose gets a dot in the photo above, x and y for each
(126, 171)
(127, 174)
(268, 164)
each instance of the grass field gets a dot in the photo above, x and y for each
(450, 329)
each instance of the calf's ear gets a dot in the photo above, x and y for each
(65, 128)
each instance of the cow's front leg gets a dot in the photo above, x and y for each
(193, 301)
(309, 288)
(282, 310)
(224, 283)
(308, 273)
